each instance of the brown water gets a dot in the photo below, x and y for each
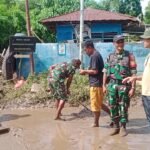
(36, 130)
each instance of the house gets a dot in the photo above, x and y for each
(98, 24)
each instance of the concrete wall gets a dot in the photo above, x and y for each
(49, 54)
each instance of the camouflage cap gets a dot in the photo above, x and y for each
(146, 34)
(118, 37)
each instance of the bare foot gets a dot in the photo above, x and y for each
(58, 118)
(95, 125)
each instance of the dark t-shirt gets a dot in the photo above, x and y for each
(96, 63)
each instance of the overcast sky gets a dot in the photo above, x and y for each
(143, 3)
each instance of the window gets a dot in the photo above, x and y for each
(108, 36)
(96, 35)
(105, 37)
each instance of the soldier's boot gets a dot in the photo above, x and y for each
(115, 130)
(123, 131)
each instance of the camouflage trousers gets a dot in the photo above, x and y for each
(119, 102)
(58, 89)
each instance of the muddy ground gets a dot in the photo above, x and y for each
(32, 127)
(35, 129)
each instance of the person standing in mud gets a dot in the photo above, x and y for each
(58, 75)
(145, 78)
(120, 64)
(95, 79)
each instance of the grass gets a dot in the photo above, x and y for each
(79, 90)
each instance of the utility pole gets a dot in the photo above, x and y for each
(81, 29)
(28, 26)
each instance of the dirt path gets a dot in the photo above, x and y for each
(36, 130)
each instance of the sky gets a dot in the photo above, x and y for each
(144, 3)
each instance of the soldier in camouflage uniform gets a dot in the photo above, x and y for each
(58, 74)
(119, 65)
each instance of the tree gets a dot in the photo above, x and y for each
(110, 5)
(50, 8)
(12, 20)
(147, 14)
(131, 7)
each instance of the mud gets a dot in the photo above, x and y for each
(36, 130)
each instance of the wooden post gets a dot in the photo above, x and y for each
(29, 34)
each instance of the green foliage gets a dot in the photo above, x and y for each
(133, 38)
(130, 7)
(12, 20)
(12, 16)
(79, 89)
(108, 5)
(41, 79)
(147, 14)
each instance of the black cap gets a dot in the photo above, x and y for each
(118, 37)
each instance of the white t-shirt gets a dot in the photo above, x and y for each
(146, 77)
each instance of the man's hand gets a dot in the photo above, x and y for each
(82, 72)
(129, 80)
(131, 92)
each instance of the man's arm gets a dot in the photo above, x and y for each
(89, 72)
(69, 81)
(93, 67)
(104, 82)
(139, 78)
(132, 79)
(133, 69)
(133, 84)
(105, 75)
(104, 79)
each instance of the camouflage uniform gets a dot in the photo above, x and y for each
(57, 76)
(118, 67)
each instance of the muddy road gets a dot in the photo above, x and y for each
(36, 130)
